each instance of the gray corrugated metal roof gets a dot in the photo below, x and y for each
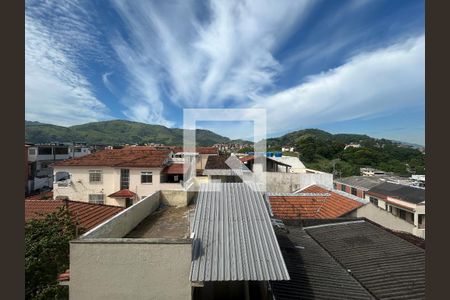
(362, 182)
(385, 264)
(233, 236)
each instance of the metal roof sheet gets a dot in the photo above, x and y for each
(233, 236)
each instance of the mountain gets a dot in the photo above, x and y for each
(115, 132)
(292, 138)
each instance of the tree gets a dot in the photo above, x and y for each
(47, 254)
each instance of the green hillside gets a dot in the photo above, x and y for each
(324, 151)
(115, 132)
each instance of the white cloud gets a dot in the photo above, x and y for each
(369, 84)
(203, 62)
(55, 89)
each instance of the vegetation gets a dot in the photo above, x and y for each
(323, 151)
(47, 255)
(115, 132)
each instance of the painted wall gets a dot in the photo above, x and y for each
(130, 270)
(289, 182)
(80, 187)
(382, 217)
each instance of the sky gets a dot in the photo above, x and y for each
(341, 66)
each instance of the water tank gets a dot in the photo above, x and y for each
(278, 154)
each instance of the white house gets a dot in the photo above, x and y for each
(118, 177)
(405, 202)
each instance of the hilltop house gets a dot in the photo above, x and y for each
(117, 177)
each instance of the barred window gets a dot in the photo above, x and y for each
(96, 198)
(95, 176)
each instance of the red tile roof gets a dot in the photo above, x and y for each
(64, 276)
(125, 193)
(174, 169)
(126, 157)
(312, 207)
(200, 150)
(87, 215)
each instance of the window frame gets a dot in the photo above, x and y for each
(97, 201)
(147, 173)
(343, 188)
(373, 200)
(355, 190)
(95, 172)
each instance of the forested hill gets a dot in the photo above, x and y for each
(115, 132)
(324, 151)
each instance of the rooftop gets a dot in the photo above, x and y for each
(233, 236)
(174, 169)
(364, 182)
(403, 192)
(125, 157)
(125, 193)
(385, 264)
(314, 273)
(87, 215)
(313, 202)
(166, 222)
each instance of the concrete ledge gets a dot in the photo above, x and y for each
(122, 223)
(132, 241)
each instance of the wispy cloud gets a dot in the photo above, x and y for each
(225, 56)
(56, 91)
(369, 84)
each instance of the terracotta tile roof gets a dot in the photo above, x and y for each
(174, 169)
(87, 215)
(126, 157)
(64, 276)
(200, 150)
(312, 206)
(125, 193)
(246, 158)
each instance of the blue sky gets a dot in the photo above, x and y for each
(342, 66)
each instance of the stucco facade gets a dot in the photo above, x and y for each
(79, 187)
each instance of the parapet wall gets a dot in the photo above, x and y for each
(290, 182)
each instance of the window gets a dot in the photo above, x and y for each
(32, 151)
(343, 187)
(77, 150)
(124, 179)
(146, 177)
(402, 214)
(61, 150)
(374, 200)
(354, 191)
(96, 198)
(334, 185)
(95, 176)
(45, 151)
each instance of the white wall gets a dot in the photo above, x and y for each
(289, 182)
(127, 269)
(80, 188)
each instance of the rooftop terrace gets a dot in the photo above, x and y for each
(166, 222)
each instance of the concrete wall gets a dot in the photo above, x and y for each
(122, 223)
(80, 188)
(289, 182)
(382, 217)
(130, 269)
(176, 198)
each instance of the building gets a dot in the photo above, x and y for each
(201, 154)
(405, 202)
(117, 177)
(371, 172)
(352, 145)
(287, 149)
(349, 260)
(296, 165)
(356, 185)
(40, 157)
(161, 248)
(313, 202)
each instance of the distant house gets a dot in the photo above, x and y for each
(356, 185)
(296, 165)
(352, 145)
(405, 202)
(119, 177)
(287, 149)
